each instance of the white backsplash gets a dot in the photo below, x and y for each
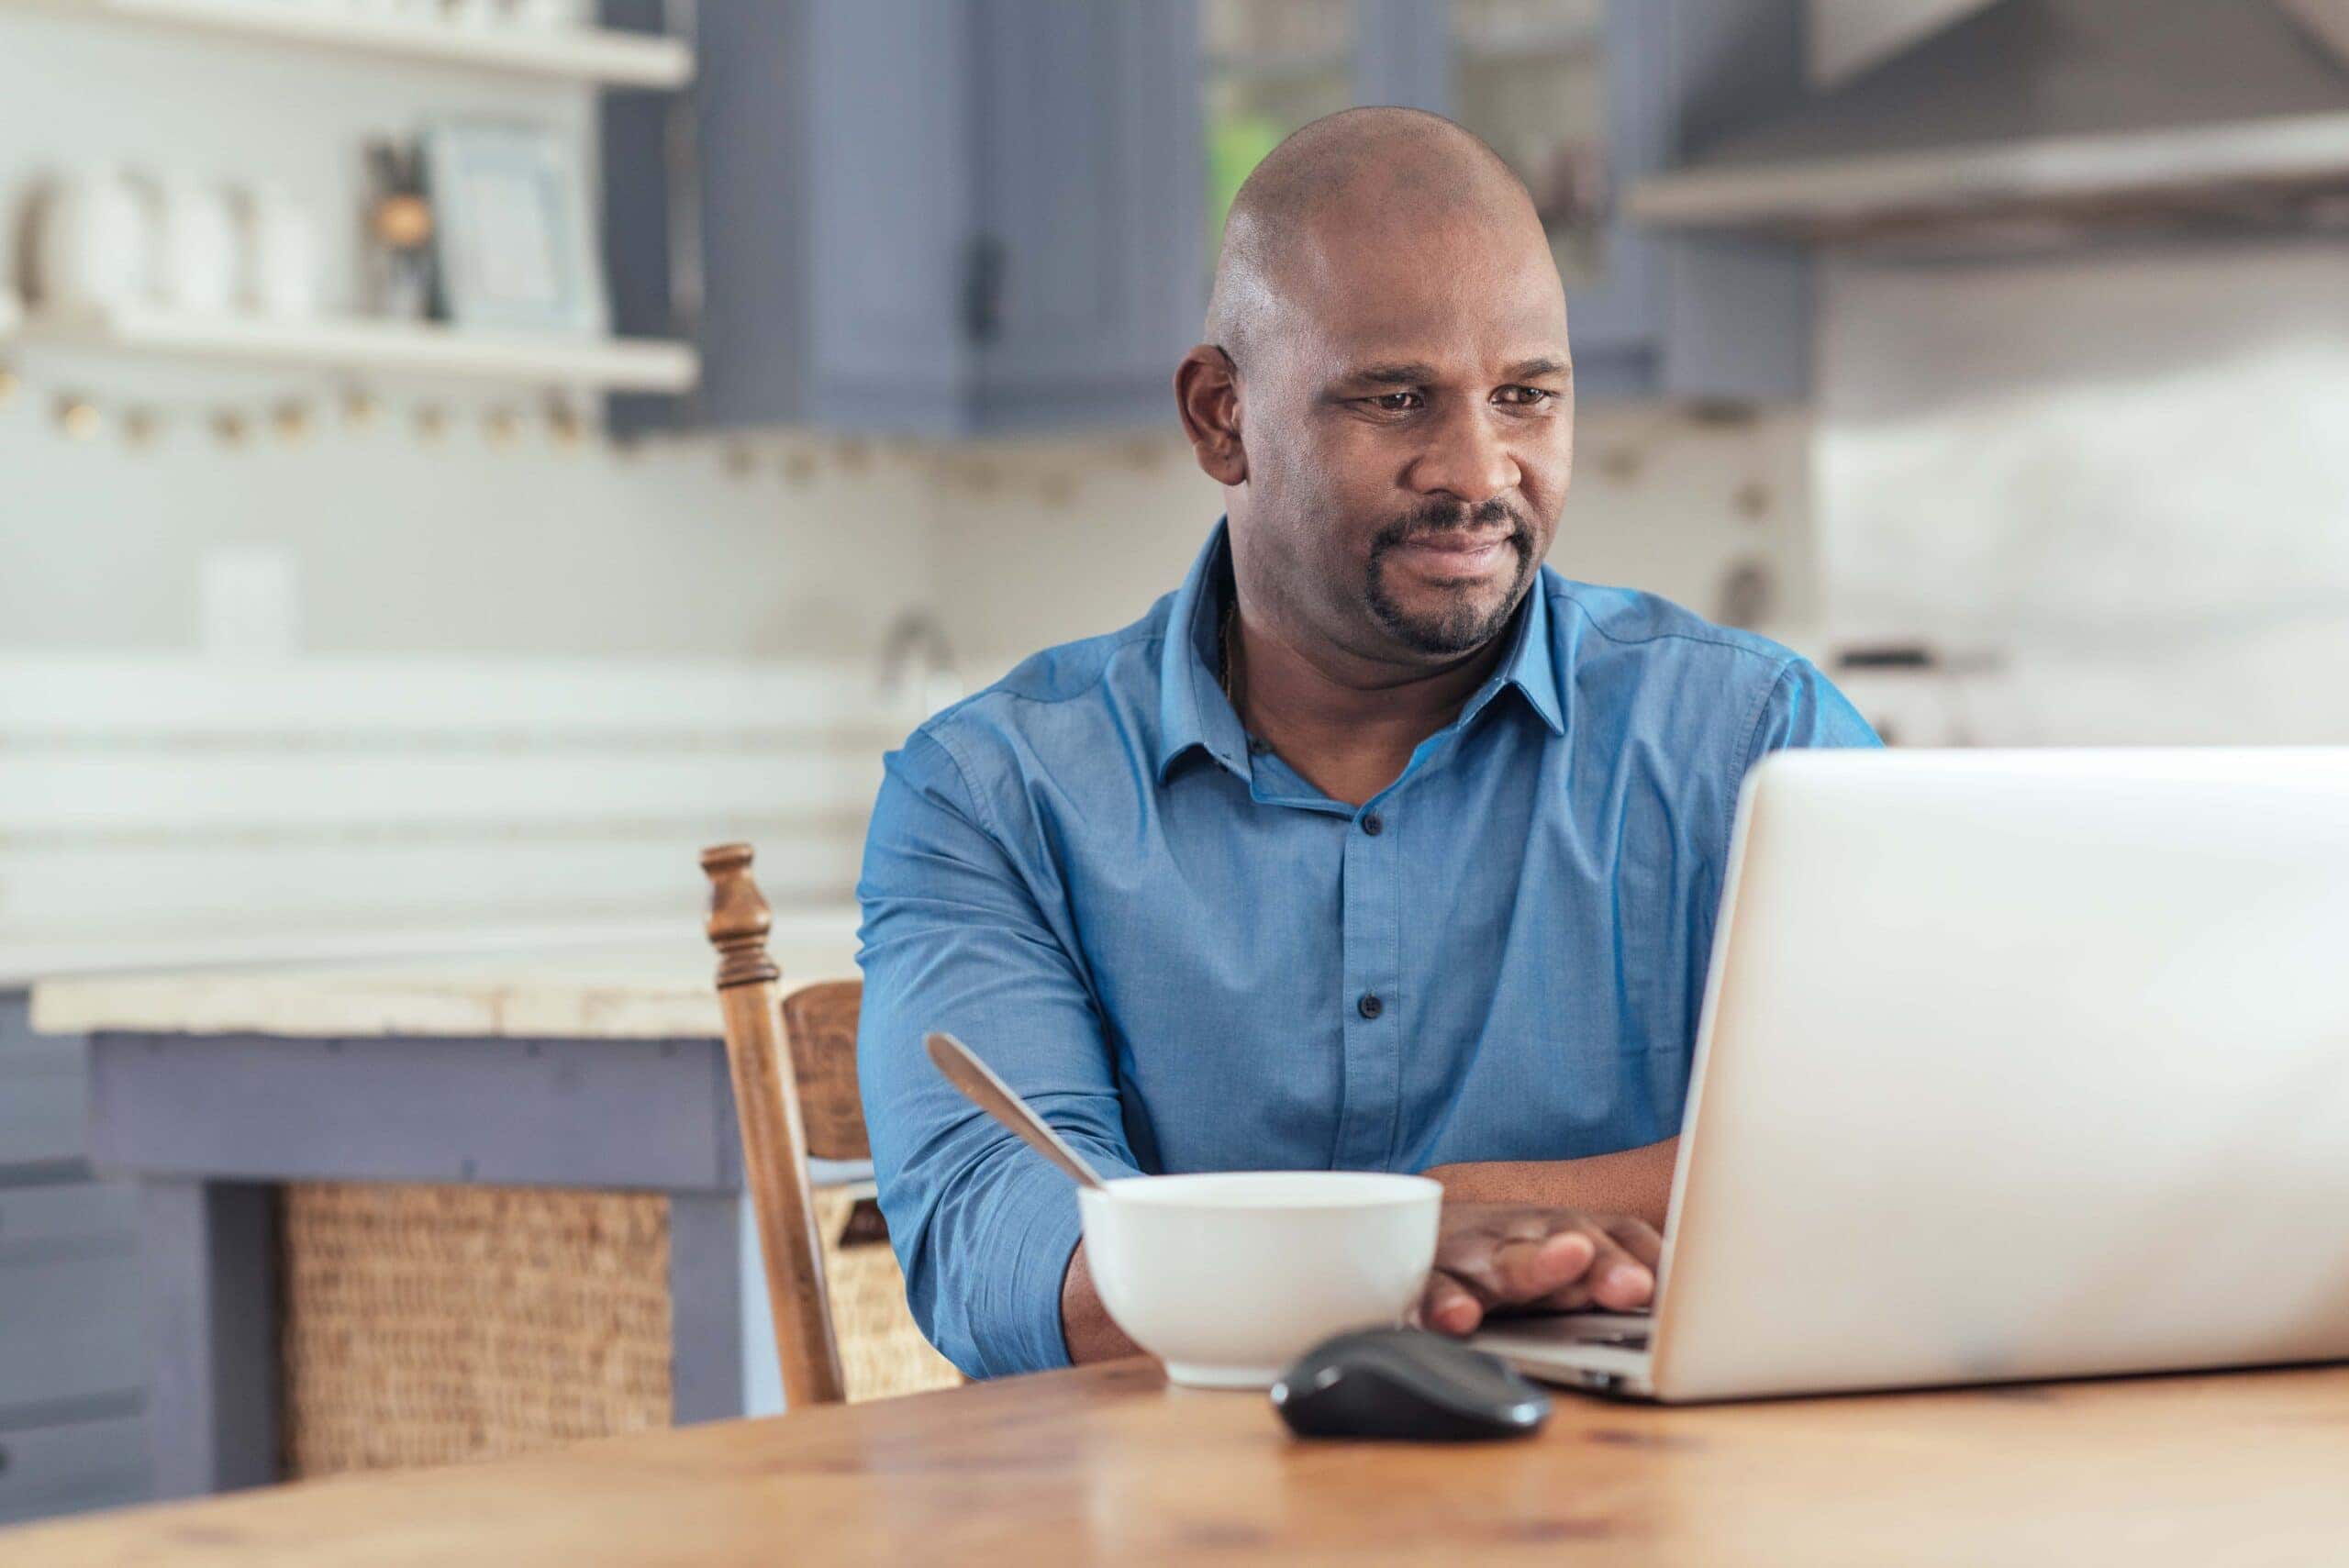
(2121, 479)
(150, 807)
(1660, 501)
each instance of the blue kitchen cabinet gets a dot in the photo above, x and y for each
(943, 218)
(961, 218)
(1728, 318)
(72, 1357)
(1089, 194)
(1582, 97)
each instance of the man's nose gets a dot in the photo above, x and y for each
(1467, 458)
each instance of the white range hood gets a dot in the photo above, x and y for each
(1987, 125)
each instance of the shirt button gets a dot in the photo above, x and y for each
(1256, 748)
(1370, 1006)
(1373, 826)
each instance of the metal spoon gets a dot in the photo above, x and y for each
(993, 1095)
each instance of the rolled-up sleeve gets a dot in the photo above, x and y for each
(955, 937)
(1803, 708)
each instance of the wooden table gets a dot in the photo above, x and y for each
(1108, 1465)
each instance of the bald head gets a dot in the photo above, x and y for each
(1353, 178)
(1385, 394)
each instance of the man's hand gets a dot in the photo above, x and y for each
(1499, 1257)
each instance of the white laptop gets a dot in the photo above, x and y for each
(2013, 1065)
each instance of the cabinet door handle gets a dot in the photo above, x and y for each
(983, 289)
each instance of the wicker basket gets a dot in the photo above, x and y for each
(423, 1325)
(427, 1324)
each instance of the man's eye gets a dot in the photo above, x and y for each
(1394, 402)
(1526, 397)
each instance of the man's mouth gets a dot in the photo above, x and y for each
(1457, 552)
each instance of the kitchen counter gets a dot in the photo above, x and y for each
(598, 1069)
(636, 989)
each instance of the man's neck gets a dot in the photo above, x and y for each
(1348, 724)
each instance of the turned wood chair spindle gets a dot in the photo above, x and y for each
(768, 1094)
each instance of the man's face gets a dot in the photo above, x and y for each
(1410, 434)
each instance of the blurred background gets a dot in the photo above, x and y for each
(458, 457)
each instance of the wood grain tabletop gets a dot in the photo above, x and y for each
(1107, 1464)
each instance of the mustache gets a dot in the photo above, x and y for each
(1453, 517)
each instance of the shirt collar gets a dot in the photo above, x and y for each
(1194, 712)
(1531, 665)
(1192, 709)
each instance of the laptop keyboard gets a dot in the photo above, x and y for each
(1618, 1331)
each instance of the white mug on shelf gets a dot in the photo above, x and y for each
(91, 245)
(196, 249)
(280, 252)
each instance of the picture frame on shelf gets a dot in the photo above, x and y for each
(514, 230)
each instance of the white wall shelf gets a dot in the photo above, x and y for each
(589, 54)
(393, 348)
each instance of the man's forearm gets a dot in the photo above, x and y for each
(1084, 1322)
(1637, 1181)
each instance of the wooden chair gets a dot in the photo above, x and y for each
(809, 1109)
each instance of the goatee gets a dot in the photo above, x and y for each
(1463, 623)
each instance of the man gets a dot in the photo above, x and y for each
(1377, 845)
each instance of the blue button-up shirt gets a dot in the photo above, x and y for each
(1188, 958)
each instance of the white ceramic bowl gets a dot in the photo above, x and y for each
(1229, 1277)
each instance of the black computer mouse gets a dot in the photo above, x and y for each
(1406, 1383)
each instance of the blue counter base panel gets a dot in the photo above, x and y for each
(208, 1126)
(615, 1115)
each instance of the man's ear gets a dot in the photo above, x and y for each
(1207, 395)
